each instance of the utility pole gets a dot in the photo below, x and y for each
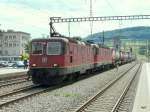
(1, 41)
(69, 28)
(91, 15)
(91, 8)
(103, 37)
(147, 50)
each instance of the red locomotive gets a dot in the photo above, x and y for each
(55, 59)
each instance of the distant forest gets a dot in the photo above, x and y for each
(140, 32)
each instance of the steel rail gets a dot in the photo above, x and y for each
(5, 103)
(12, 79)
(86, 104)
(117, 105)
(17, 90)
(15, 82)
(11, 101)
(30, 94)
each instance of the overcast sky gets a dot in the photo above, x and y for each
(32, 16)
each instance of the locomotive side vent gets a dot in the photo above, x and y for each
(44, 60)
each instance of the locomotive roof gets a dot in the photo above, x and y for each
(56, 38)
(65, 39)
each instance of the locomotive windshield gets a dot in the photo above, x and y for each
(54, 48)
(37, 48)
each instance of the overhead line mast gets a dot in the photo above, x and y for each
(91, 15)
(53, 20)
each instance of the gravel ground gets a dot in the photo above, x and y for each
(10, 88)
(107, 100)
(62, 99)
(127, 103)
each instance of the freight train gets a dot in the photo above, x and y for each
(56, 59)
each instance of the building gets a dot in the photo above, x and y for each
(12, 44)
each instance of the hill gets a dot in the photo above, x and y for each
(141, 32)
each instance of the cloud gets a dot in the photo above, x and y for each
(20, 16)
(23, 18)
(33, 16)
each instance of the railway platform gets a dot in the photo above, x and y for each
(142, 98)
(9, 72)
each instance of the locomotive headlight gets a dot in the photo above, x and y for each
(55, 65)
(33, 65)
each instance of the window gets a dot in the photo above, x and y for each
(94, 51)
(54, 48)
(23, 37)
(100, 52)
(6, 37)
(67, 47)
(37, 48)
(6, 44)
(14, 44)
(6, 52)
(10, 44)
(14, 37)
(71, 60)
(10, 37)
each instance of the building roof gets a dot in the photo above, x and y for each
(12, 31)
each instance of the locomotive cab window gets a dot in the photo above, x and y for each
(54, 48)
(37, 48)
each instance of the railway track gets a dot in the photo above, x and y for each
(126, 101)
(13, 81)
(109, 98)
(16, 95)
(23, 93)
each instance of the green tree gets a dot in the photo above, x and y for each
(24, 56)
(28, 47)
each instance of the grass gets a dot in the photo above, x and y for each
(67, 94)
(71, 94)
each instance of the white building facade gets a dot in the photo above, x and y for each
(12, 44)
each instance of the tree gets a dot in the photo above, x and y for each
(24, 56)
(28, 47)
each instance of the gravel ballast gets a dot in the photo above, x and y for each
(13, 87)
(67, 97)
